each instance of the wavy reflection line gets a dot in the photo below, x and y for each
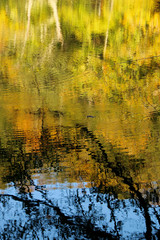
(127, 180)
(86, 227)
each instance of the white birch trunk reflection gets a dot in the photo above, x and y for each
(106, 38)
(28, 25)
(53, 4)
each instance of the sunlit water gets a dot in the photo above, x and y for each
(79, 119)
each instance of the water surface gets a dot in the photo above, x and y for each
(79, 119)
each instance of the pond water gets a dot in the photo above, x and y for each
(79, 119)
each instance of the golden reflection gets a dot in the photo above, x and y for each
(105, 77)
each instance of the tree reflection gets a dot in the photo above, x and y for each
(64, 182)
(82, 213)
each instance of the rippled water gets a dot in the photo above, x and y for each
(79, 119)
